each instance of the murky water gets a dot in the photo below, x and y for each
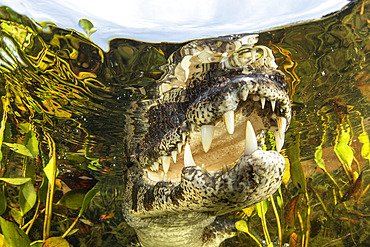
(57, 85)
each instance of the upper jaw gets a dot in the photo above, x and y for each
(256, 97)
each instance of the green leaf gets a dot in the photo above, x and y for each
(24, 128)
(242, 226)
(2, 241)
(365, 150)
(38, 243)
(49, 169)
(27, 197)
(15, 181)
(278, 199)
(14, 236)
(87, 26)
(16, 214)
(73, 199)
(318, 158)
(55, 242)
(19, 148)
(3, 203)
(73, 231)
(32, 143)
(296, 171)
(43, 189)
(343, 151)
(88, 197)
(259, 208)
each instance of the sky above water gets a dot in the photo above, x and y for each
(174, 21)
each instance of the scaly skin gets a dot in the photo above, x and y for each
(184, 212)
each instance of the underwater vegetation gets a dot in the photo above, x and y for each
(60, 183)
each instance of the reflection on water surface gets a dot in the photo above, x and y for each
(65, 97)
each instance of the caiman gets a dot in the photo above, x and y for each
(202, 155)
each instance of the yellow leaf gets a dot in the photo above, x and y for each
(342, 150)
(365, 150)
(249, 211)
(286, 175)
(242, 226)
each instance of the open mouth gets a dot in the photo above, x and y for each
(222, 132)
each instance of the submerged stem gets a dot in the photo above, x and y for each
(264, 225)
(51, 188)
(277, 221)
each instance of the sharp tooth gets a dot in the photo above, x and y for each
(166, 163)
(179, 146)
(244, 94)
(250, 139)
(263, 101)
(156, 166)
(204, 168)
(188, 158)
(281, 122)
(165, 87)
(273, 104)
(174, 155)
(229, 121)
(207, 136)
(279, 141)
(224, 168)
(152, 168)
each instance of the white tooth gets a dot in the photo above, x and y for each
(273, 104)
(179, 146)
(162, 176)
(152, 168)
(174, 155)
(229, 121)
(279, 141)
(165, 87)
(156, 166)
(244, 94)
(188, 157)
(207, 136)
(281, 122)
(160, 160)
(263, 101)
(166, 163)
(204, 168)
(224, 168)
(250, 139)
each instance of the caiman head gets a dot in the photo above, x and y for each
(204, 146)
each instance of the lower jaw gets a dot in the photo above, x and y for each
(226, 149)
(252, 179)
